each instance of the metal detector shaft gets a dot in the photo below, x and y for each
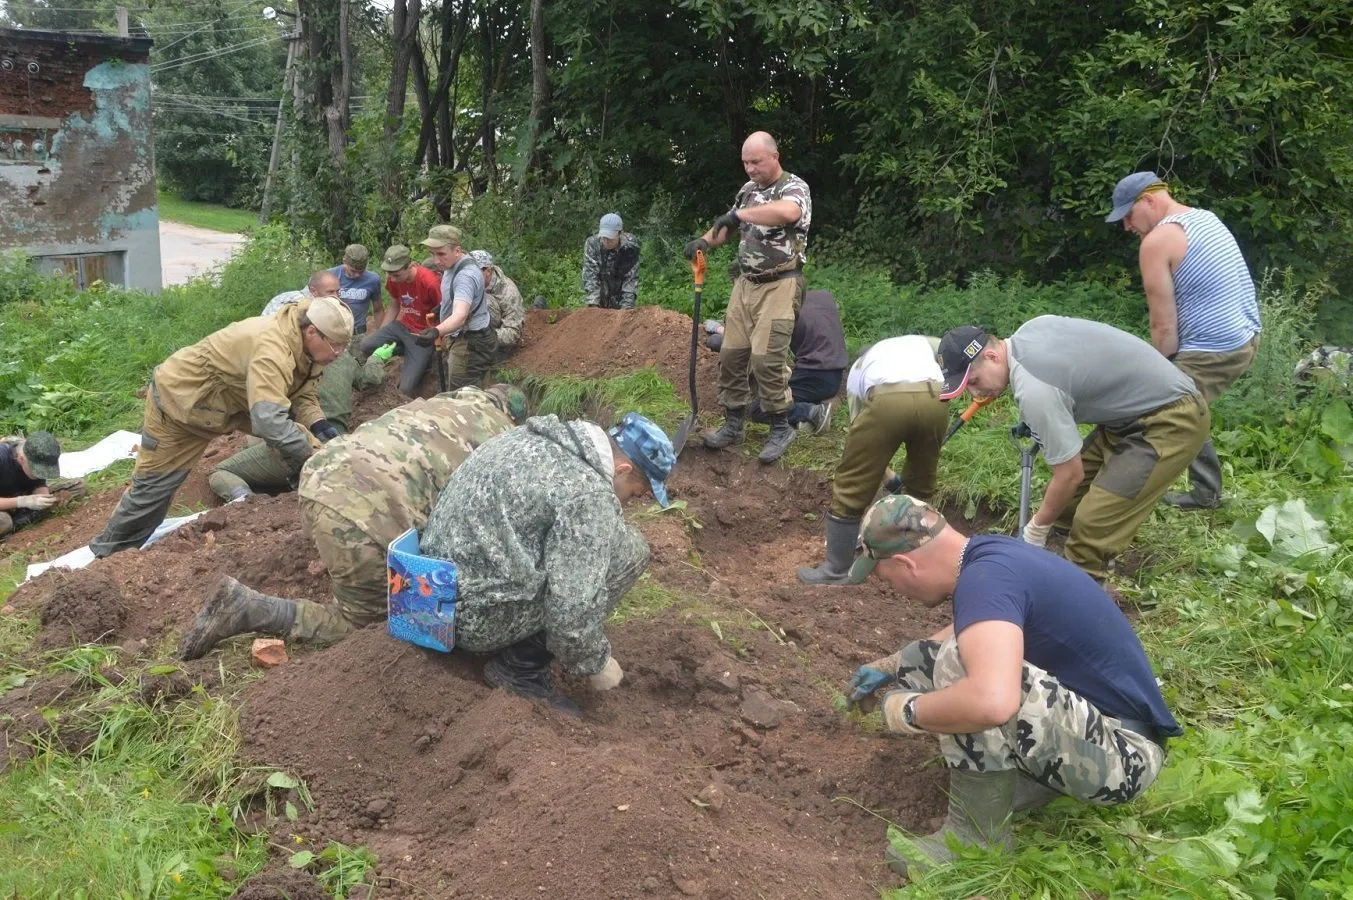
(1027, 453)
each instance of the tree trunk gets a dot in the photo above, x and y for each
(540, 98)
(453, 41)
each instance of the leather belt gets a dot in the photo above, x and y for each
(903, 387)
(767, 277)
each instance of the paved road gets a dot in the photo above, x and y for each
(186, 251)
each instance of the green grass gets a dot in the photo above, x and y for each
(205, 215)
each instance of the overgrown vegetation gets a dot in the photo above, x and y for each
(174, 208)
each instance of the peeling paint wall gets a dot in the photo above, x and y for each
(77, 165)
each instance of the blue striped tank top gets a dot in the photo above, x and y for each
(1213, 291)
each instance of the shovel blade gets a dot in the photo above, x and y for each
(683, 432)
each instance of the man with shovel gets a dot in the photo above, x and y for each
(770, 216)
(1150, 423)
(1023, 715)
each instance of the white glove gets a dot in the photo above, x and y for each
(34, 501)
(608, 677)
(893, 718)
(1037, 534)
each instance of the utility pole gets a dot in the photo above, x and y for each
(275, 157)
(123, 29)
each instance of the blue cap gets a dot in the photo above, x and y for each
(649, 448)
(610, 225)
(1128, 191)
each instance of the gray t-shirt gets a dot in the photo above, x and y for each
(465, 282)
(1067, 371)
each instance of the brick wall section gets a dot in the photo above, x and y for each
(57, 89)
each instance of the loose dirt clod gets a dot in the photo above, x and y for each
(81, 607)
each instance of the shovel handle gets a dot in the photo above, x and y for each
(698, 268)
(973, 407)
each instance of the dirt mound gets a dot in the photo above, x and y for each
(279, 881)
(81, 607)
(599, 343)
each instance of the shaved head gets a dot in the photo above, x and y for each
(760, 140)
(761, 158)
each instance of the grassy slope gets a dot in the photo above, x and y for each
(205, 215)
(1250, 644)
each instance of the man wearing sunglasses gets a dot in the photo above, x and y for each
(259, 376)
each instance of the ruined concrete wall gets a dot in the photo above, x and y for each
(77, 166)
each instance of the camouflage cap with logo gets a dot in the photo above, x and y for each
(896, 524)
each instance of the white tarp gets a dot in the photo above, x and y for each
(118, 445)
(78, 559)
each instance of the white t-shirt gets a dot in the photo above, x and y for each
(898, 360)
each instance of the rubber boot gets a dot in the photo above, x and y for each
(727, 434)
(842, 534)
(781, 436)
(980, 804)
(228, 486)
(235, 609)
(524, 669)
(1029, 794)
(1204, 481)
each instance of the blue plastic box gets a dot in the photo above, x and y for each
(422, 595)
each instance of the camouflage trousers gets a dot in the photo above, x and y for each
(1057, 738)
(356, 564)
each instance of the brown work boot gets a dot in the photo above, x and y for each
(235, 609)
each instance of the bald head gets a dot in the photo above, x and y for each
(323, 284)
(761, 158)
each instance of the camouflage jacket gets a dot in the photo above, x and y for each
(611, 277)
(385, 476)
(531, 520)
(763, 249)
(341, 377)
(507, 314)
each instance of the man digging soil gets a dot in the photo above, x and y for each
(357, 494)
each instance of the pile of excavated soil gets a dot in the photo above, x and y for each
(600, 343)
(80, 607)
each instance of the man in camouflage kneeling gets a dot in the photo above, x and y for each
(1023, 714)
(357, 494)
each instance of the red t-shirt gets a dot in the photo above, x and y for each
(416, 298)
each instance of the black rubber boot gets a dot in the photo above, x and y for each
(842, 534)
(727, 434)
(781, 436)
(524, 669)
(235, 609)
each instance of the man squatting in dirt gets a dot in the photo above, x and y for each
(415, 294)
(893, 392)
(357, 494)
(464, 317)
(533, 521)
(257, 468)
(1201, 297)
(1150, 423)
(507, 313)
(259, 376)
(818, 346)
(1023, 715)
(611, 266)
(26, 465)
(771, 215)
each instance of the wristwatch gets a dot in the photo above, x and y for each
(909, 712)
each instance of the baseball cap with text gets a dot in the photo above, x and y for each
(649, 448)
(957, 351)
(896, 524)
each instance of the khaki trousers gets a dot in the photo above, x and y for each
(1213, 373)
(1126, 472)
(757, 329)
(890, 416)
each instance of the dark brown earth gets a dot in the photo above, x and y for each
(719, 768)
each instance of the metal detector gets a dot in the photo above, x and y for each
(1028, 450)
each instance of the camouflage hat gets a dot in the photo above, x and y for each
(482, 258)
(396, 258)
(649, 448)
(896, 524)
(443, 236)
(43, 454)
(512, 400)
(331, 318)
(356, 256)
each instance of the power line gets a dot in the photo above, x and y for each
(169, 65)
(233, 9)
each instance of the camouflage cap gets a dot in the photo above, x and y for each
(443, 236)
(482, 258)
(43, 454)
(396, 258)
(649, 448)
(896, 524)
(357, 256)
(512, 401)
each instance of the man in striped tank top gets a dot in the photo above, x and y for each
(1204, 315)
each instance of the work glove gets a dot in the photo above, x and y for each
(384, 353)
(869, 678)
(1036, 534)
(608, 677)
(894, 484)
(712, 326)
(893, 718)
(324, 430)
(728, 220)
(427, 337)
(34, 501)
(695, 246)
